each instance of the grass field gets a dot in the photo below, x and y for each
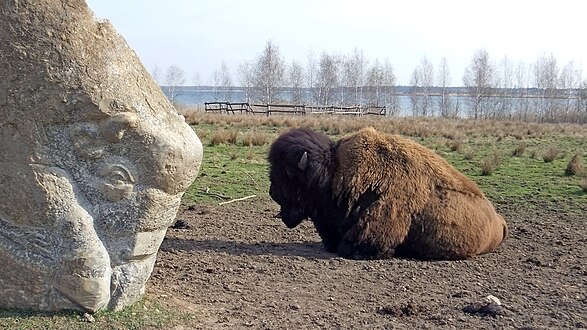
(506, 159)
(514, 163)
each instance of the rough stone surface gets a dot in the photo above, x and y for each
(93, 161)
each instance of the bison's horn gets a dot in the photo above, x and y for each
(303, 163)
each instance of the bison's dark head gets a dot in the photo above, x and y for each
(300, 162)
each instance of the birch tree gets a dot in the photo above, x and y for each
(296, 82)
(174, 79)
(546, 81)
(569, 84)
(478, 78)
(246, 78)
(328, 78)
(354, 75)
(375, 81)
(389, 81)
(225, 82)
(270, 73)
(444, 81)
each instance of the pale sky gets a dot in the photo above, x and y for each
(198, 35)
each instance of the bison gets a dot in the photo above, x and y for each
(372, 195)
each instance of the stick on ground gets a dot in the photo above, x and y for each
(237, 199)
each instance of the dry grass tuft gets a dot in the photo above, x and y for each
(520, 149)
(453, 129)
(250, 154)
(468, 154)
(550, 154)
(575, 166)
(255, 138)
(456, 145)
(583, 184)
(491, 163)
(223, 136)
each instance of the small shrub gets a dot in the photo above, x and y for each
(551, 154)
(469, 154)
(583, 184)
(520, 149)
(456, 145)
(488, 166)
(223, 136)
(575, 166)
(490, 163)
(250, 154)
(255, 138)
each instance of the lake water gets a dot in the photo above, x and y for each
(192, 96)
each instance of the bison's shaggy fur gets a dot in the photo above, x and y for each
(374, 195)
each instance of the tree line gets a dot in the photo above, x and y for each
(491, 89)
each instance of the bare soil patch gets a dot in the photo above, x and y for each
(236, 266)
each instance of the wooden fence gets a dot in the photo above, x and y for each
(292, 109)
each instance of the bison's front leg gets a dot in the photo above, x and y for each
(329, 234)
(376, 234)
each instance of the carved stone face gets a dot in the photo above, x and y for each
(133, 177)
(93, 161)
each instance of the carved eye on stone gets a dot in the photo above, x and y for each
(117, 174)
(118, 182)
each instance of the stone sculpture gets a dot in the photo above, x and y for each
(93, 161)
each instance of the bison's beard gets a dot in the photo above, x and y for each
(291, 217)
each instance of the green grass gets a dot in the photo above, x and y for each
(145, 314)
(231, 171)
(524, 181)
(234, 171)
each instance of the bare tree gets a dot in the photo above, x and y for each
(197, 81)
(389, 81)
(246, 77)
(270, 73)
(504, 83)
(427, 81)
(216, 83)
(415, 100)
(296, 82)
(521, 88)
(156, 74)
(444, 80)
(546, 81)
(375, 82)
(225, 82)
(478, 78)
(421, 84)
(582, 103)
(312, 77)
(174, 79)
(328, 78)
(354, 68)
(570, 82)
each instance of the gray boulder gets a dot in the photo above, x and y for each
(93, 161)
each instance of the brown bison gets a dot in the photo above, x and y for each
(373, 195)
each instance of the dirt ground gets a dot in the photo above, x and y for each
(236, 266)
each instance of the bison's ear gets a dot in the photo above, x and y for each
(303, 163)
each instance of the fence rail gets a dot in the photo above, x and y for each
(292, 109)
